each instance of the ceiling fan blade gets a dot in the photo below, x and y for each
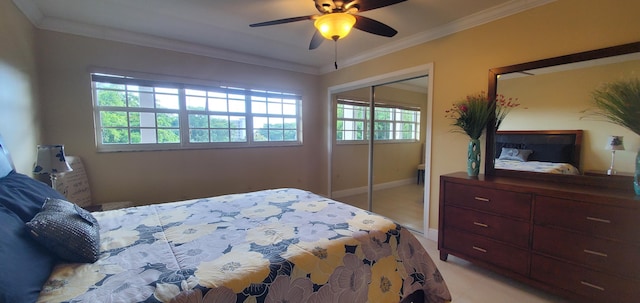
(316, 40)
(281, 21)
(375, 27)
(367, 5)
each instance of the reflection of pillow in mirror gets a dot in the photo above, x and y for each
(515, 154)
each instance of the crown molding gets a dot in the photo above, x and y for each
(33, 13)
(477, 19)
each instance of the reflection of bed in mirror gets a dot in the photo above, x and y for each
(543, 151)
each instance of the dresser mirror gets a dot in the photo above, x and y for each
(552, 94)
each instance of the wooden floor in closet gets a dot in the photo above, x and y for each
(403, 204)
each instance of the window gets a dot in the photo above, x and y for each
(392, 123)
(135, 114)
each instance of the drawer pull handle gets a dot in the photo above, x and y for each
(597, 253)
(480, 224)
(479, 249)
(481, 199)
(598, 220)
(592, 285)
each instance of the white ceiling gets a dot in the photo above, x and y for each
(220, 29)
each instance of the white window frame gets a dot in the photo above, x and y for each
(395, 121)
(275, 102)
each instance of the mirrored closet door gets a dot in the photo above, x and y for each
(379, 168)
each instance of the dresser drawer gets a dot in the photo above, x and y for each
(598, 220)
(611, 256)
(508, 257)
(596, 286)
(495, 227)
(502, 202)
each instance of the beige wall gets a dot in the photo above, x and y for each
(146, 177)
(462, 60)
(558, 100)
(18, 86)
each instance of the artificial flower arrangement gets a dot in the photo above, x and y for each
(472, 114)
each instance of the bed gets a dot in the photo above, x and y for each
(277, 245)
(542, 151)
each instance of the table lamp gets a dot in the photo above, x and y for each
(613, 143)
(51, 160)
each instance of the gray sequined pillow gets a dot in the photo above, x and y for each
(67, 230)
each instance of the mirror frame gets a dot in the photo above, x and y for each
(566, 59)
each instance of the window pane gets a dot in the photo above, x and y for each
(276, 123)
(168, 135)
(198, 135)
(238, 122)
(111, 98)
(167, 101)
(219, 135)
(276, 135)
(166, 90)
(289, 109)
(260, 122)
(217, 105)
(259, 107)
(167, 120)
(198, 121)
(115, 136)
(238, 135)
(196, 103)
(290, 135)
(275, 108)
(109, 85)
(195, 92)
(236, 106)
(219, 121)
(144, 100)
(113, 119)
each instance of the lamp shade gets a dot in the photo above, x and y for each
(335, 26)
(51, 160)
(614, 143)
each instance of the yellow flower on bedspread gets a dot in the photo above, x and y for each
(118, 238)
(261, 211)
(320, 258)
(230, 270)
(277, 197)
(71, 281)
(269, 234)
(385, 281)
(185, 233)
(310, 207)
(366, 221)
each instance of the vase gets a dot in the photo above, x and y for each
(473, 158)
(636, 175)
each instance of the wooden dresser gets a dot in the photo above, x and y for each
(579, 242)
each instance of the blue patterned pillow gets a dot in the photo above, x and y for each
(24, 195)
(25, 264)
(515, 154)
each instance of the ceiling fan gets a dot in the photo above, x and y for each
(338, 16)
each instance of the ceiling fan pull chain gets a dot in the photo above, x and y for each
(335, 54)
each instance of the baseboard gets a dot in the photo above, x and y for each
(364, 189)
(432, 234)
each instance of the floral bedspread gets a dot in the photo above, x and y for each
(537, 166)
(280, 245)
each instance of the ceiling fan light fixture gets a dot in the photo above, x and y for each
(335, 26)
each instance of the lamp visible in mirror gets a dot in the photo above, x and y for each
(614, 143)
(51, 160)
